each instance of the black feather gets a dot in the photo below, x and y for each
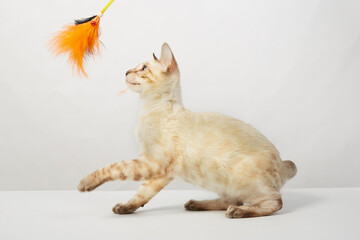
(84, 20)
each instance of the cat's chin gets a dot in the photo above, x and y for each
(135, 87)
(132, 83)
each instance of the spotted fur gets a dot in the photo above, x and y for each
(217, 152)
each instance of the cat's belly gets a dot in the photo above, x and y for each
(217, 187)
(215, 182)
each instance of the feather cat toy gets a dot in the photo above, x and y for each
(79, 40)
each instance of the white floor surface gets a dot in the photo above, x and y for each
(307, 214)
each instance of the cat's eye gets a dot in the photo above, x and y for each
(144, 68)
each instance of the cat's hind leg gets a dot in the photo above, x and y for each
(214, 204)
(147, 190)
(261, 206)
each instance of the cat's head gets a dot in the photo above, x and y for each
(160, 75)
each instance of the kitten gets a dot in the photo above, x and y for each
(219, 153)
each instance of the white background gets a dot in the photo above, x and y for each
(290, 68)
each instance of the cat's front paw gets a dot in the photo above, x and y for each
(124, 208)
(87, 184)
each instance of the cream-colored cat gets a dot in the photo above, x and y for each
(219, 153)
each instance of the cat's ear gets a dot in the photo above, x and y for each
(155, 58)
(167, 59)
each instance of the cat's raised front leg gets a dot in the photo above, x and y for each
(147, 190)
(136, 170)
(215, 204)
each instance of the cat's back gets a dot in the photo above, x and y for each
(212, 128)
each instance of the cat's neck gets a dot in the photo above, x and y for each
(161, 101)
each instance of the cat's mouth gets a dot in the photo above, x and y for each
(132, 83)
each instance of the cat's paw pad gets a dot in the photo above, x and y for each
(86, 184)
(234, 212)
(124, 208)
(191, 205)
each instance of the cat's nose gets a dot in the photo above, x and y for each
(127, 72)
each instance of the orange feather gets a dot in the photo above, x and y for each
(79, 42)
